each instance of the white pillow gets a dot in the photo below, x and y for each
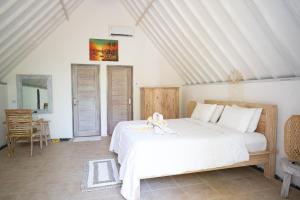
(217, 114)
(255, 119)
(203, 112)
(236, 118)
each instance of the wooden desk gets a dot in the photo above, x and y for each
(45, 131)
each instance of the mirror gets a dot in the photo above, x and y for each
(35, 92)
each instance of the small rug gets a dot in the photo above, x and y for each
(87, 139)
(100, 174)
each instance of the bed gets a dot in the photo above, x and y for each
(196, 147)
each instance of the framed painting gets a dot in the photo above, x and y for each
(104, 50)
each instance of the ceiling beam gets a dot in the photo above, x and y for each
(176, 51)
(25, 51)
(144, 12)
(203, 55)
(294, 7)
(6, 5)
(180, 43)
(14, 11)
(63, 6)
(166, 50)
(156, 33)
(238, 39)
(30, 47)
(31, 31)
(134, 15)
(281, 49)
(12, 34)
(221, 39)
(207, 39)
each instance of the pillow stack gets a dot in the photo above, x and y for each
(254, 120)
(241, 119)
(215, 117)
(203, 112)
(233, 117)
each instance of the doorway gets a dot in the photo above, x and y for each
(119, 95)
(86, 100)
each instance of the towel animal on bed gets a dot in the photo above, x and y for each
(160, 125)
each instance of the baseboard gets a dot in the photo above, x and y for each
(3, 147)
(276, 177)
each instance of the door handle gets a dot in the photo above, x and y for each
(129, 100)
(75, 101)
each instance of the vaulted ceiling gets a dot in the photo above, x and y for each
(25, 24)
(206, 40)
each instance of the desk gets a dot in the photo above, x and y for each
(45, 131)
(44, 125)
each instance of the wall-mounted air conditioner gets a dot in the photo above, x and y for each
(121, 31)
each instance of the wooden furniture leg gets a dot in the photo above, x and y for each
(286, 185)
(13, 145)
(31, 145)
(269, 167)
(46, 132)
(289, 169)
(8, 146)
(41, 136)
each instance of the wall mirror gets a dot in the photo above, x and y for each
(35, 92)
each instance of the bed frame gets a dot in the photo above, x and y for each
(267, 125)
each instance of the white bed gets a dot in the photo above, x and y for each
(196, 146)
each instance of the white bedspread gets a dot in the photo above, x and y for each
(195, 146)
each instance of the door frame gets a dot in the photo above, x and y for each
(107, 92)
(73, 65)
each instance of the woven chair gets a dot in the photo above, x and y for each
(290, 165)
(19, 126)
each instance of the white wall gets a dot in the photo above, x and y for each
(3, 105)
(70, 44)
(284, 94)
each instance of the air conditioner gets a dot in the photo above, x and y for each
(121, 31)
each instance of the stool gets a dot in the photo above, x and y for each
(289, 170)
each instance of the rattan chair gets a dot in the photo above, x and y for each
(290, 165)
(19, 127)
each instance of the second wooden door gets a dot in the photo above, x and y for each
(119, 95)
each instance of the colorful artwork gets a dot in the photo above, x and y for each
(104, 50)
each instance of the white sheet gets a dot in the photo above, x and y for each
(255, 142)
(197, 145)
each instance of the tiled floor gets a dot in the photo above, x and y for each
(56, 173)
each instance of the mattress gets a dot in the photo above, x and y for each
(255, 142)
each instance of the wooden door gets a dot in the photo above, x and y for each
(119, 95)
(86, 101)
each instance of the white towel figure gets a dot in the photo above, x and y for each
(157, 117)
(159, 124)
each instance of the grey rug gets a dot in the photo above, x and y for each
(100, 174)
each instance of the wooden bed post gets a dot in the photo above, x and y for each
(270, 132)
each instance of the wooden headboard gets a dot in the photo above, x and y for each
(267, 124)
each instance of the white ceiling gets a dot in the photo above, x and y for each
(205, 40)
(25, 24)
